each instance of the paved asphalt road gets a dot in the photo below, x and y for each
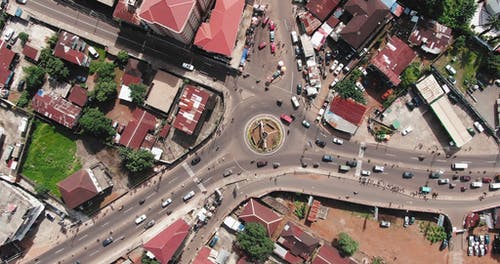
(229, 151)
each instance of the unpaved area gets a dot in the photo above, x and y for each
(489, 258)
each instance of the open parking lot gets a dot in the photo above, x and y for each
(13, 128)
(485, 103)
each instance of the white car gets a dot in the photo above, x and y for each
(187, 66)
(334, 65)
(140, 219)
(299, 64)
(363, 70)
(366, 173)
(443, 181)
(335, 81)
(339, 69)
(407, 131)
(8, 33)
(378, 168)
(360, 86)
(188, 196)
(338, 141)
(166, 203)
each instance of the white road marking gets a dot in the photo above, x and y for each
(441, 160)
(414, 158)
(105, 224)
(83, 237)
(93, 253)
(361, 150)
(202, 188)
(149, 195)
(390, 154)
(127, 210)
(490, 161)
(188, 169)
(358, 168)
(59, 250)
(286, 24)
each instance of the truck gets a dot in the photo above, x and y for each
(476, 184)
(459, 166)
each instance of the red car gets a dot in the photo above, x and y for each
(264, 22)
(272, 26)
(487, 179)
(262, 45)
(273, 48)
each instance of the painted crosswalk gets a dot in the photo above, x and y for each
(188, 169)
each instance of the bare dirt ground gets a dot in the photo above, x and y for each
(395, 244)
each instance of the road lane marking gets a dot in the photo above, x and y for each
(202, 188)
(188, 169)
(441, 160)
(128, 209)
(361, 150)
(105, 224)
(83, 237)
(59, 250)
(414, 158)
(93, 253)
(358, 168)
(149, 195)
(390, 154)
(490, 161)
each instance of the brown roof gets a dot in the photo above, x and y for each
(298, 242)
(65, 49)
(167, 242)
(321, 8)
(6, 57)
(348, 109)
(191, 106)
(367, 17)
(125, 13)
(329, 255)
(30, 52)
(310, 22)
(77, 188)
(56, 108)
(78, 95)
(136, 130)
(255, 212)
(431, 36)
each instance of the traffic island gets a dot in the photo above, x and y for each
(264, 134)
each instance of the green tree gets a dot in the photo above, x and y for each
(55, 67)
(348, 245)
(347, 89)
(104, 70)
(457, 13)
(300, 209)
(255, 242)
(122, 58)
(410, 75)
(95, 123)
(35, 77)
(492, 65)
(136, 160)
(23, 36)
(493, 22)
(52, 41)
(138, 93)
(378, 260)
(104, 91)
(435, 233)
(23, 99)
(146, 260)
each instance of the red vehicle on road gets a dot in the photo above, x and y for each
(272, 26)
(273, 48)
(286, 119)
(262, 45)
(264, 22)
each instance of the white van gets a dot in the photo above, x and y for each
(476, 184)
(450, 69)
(495, 186)
(140, 219)
(377, 168)
(295, 38)
(479, 127)
(295, 102)
(459, 166)
(166, 203)
(93, 52)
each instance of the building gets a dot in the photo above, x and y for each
(321, 8)
(125, 10)
(492, 7)
(219, 34)
(56, 108)
(6, 58)
(167, 245)
(20, 210)
(78, 95)
(286, 255)
(204, 256)
(496, 218)
(137, 129)
(125, 92)
(192, 105)
(297, 242)
(345, 115)
(82, 186)
(432, 93)
(178, 19)
(431, 36)
(163, 90)
(71, 48)
(393, 59)
(308, 22)
(368, 17)
(255, 212)
(329, 255)
(31, 53)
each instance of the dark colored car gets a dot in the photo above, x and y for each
(444, 245)
(407, 175)
(107, 241)
(416, 101)
(463, 189)
(327, 158)
(410, 105)
(149, 224)
(299, 89)
(196, 160)
(80, 78)
(261, 163)
(487, 180)
(50, 217)
(453, 98)
(351, 163)
(320, 143)
(465, 178)
(20, 85)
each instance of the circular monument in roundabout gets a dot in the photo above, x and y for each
(264, 134)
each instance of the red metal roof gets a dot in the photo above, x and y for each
(255, 212)
(348, 109)
(171, 14)
(128, 79)
(78, 95)
(202, 256)
(164, 131)
(329, 255)
(312, 216)
(136, 130)
(191, 106)
(393, 59)
(219, 35)
(332, 21)
(77, 188)
(321, 8)
(298, 242)
(30, 52)
(64, 50)
(6, 57)
(56, 108)
(310, 22)
(367, 16)
(125, 13)
(431, 36)
(167, 242)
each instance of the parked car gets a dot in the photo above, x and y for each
(407, 175)
(436, 174)
(265, 21)
(140, 219)
(299, 64)
(306, 124)
(297, 51)
(272, 25)
(444, 245)
(463, 189)
(360, 86)
(187, 66)
(271, 36)
(299, 89)
(335, 63)
(387, 94)
(327, 158)
(443, 181)
(195, 161)
(276, 165)
(107, 241)
(338, 69)
(385, 224)
(320, 143)
(8, 33)
(188, 196)
(351, 163)
(487, 180)
(20, 85)
(227, 173)
(273, 48)
(166, 203)
(378, 168)
(261, 163)
(365, 173)
(465, 178)
(407, 131)
(93, 52)
(452, 80)
(334, 82)
(262, 45)
(149, 224)
(23, 2)
(80, 78)
(338, 141)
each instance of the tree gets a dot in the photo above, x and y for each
(457, 13)
(146, 260)
(55, 67)
(23, 36)
(255, 242)
(378, 260)
(122, 58)
(138, 93)
(347, 89)
(410, 75)
(136, 160)
(435, 233)
(300, 209)
(52, 41)
(104, 91)
(104, 70)
(492, 65)
(493, 22)
(348, 245)
(35, 77)
(95, 123)
(23, 99)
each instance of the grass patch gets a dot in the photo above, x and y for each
(51, 157)
(466, 63)
(102, 53)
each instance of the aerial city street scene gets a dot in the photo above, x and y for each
(250, 131)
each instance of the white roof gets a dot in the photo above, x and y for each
(429, 88)
(157, 152)
(125, 94)
(307, 46)
(450, 121)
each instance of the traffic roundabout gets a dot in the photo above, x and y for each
(264, 134)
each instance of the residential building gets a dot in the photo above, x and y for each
(321, 8)
(71, 48)
(204, 256)
(431, 36)
(492, 7)
(329, 255)
(136, 130)
(193, 104)
(219, 34)
(163, 91)
(78, 95)
(297, 242)
(56, 108)
(255, 212)
(345, 115)
(393, 59)
(125, 92)
(167, 245)
(6, 59)
(31, 53)
(308, 22)
(368, 17)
